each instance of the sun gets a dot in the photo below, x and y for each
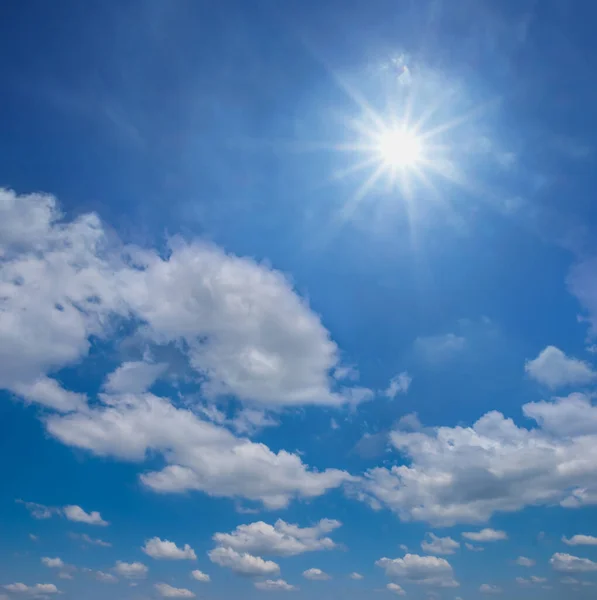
(399, 148)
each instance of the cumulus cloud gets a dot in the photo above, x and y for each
(487, 588)
(166, 550)
(423, 570)
(399, 384)
(315, 575)
(523, 561)
(167, 591)
(78, 515)
(135, 570)
(554, 369)
(275, 585)
(279, 539)
(133, 377)
(395, 589)
(485, 535)
(52, 563)
(200, 576)
(473, 548)
(356, 576)
(466, 474)
(105, 577)
(243, 563)
(571, 564)
(580, 540)
(39, 589)
(438, 545)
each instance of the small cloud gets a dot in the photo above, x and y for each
(135, 570)
(399, 384)
(439, 348)
(275, 585)
(200, 576)
(167, 591)
(78, 515)
(473, 548)
(554, 369)
(166, 550)
(315, 575)
(356, 576)
(487, 588)
(395, 589)
(89, 540)
(438, 545)
(485, 535)
(580, 540)
(523, 561)
(33, 537)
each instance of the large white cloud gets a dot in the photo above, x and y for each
(466, 474)
(424, 570)
(203, 456)
(279, 539)
(243, 563)
(554, 369)
(166, 550)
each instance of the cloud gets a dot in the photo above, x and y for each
(395, 589)
(356, 576)
(423, 570)
(580, 540)
(204, 456)
(581, 282)
(571, 564)
(135, 570)
(280, 539)
(523, 561)
(485, 535)
(166, 550)
(487, 588)
(275, 585)
(77, 514)
(438, 545)
(474, 548)
(105, 577)
(439, 348)
(39, 511)
(200, 576)
(466, 474)
(315, 575)
(133, 377)
(399, 384)
(167, 591)
(38, 589)
(89, 540)
(554, 369)
(52, 563)
(243, 563)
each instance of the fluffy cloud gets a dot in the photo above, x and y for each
(279, 539)
(571, 564)
(133, 377)
(424, 570)
(485, 535)
(52, 563)
(315, 575)
(275, 585)
(243, 563)
(164, 549)
(523, 561)
(580, 540)
(105, 577)
(200, 576)
(466, 474)
(167, 591)
(487, 588)
(135, 570)
(399, 384)
(39, 589)
(554, 369)
(395, 589)
(77, 514)
(436, 545)
(356, 576)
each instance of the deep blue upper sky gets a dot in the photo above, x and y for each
(227, 301)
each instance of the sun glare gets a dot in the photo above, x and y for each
(399, 148)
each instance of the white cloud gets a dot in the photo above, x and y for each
(395, 589)
(204, 456)
(89, 540)
(105, 577)
(485, 535)
(439, 348)
(135, 570)
(438, 545)
(200, 576)
(356, 576)
(52, 563)
(466, 474)
(166, 550)
(77, 514)
(133, 377)
(523, 561)
(580, 540)
(275, 585)
(33, 537)
(38, 589)
(50, 393)
(243, 563)
(399, 384)
(39, 511)
(474, 548)
(424, 570)
(280, 539)
(569, 581)
(315, 575)
(64, 575)
(572, 564)
(554, 369)
(167, 591)
(487, 588)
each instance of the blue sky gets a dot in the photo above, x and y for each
(298, 298)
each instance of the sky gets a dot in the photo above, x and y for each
(298, 298)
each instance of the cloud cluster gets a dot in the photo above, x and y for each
(71, 512)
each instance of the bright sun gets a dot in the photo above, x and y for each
(399, 148)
